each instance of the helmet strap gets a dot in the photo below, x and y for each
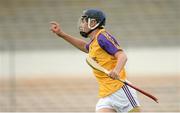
(89, 22)
(84, 34)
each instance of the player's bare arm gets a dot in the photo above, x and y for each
(78, 43)
(121, 61)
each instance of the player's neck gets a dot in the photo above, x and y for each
(93, 34)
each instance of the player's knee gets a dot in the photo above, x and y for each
(136, 109)
(105, 110)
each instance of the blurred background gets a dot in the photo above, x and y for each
(41, 72)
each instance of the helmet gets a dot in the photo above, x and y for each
(96, 14)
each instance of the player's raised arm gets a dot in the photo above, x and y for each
(78, 43)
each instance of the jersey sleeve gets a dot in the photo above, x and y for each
(87, 47)
(109, 44)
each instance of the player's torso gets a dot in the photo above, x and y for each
(106, 84)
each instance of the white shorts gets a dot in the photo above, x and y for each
(123, 100)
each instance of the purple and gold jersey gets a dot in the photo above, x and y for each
(102, 49)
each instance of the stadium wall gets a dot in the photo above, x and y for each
(141, 61)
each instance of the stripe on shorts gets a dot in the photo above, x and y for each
(129, 96)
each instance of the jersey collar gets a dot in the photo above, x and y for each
(101, 30)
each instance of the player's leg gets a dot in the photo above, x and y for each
(132, 97)
(104, 105)
(136, 109)
(125, 100)
(105, 110)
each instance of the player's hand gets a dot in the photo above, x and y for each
(114, 74)
(55, 28)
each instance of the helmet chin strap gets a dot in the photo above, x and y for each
(84, 34)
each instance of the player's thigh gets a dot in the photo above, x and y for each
(136, 109)
(105, 110)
